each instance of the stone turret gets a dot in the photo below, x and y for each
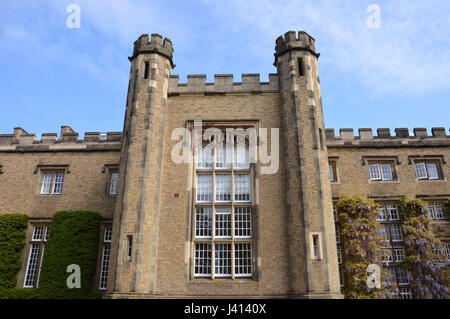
(314, 267)
(134, 249)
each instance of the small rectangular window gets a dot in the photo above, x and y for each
(431, 211)
(204, 188)
(399, 255)
(241, 188)
(113, 183)
(203, 222)
(129, 247)
(386, 172)
(242, 222)
(421, 171)
(382, 171)
(374, 170)
(223, 188)
(338, 236)
(316, 253)
(440, 211)
(392, 212)
(432, 171)
(223, 223)
(396, 232)
(301, 67)
(382, 214)
(52, 182)
(243, 260)
(205, 157)
(202, 261)
(241, 158)
(222, 254)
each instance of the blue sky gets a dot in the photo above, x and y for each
(397, 75)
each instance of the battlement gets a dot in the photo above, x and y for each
(223, 83)
(154, 45)
(292, 41)
(22, 141)
(384, 138)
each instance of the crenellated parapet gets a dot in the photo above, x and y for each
(223, 83)
(68, 140)
(383, 137)
(154, 45)
(301, 41)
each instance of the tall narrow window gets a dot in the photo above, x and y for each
(315, 243)
(129, 247)
(35, 256)
(301, 67)
(106, 252)
(382, 215)
(113, 183)
(440, 211)
(146, 69)
(374, 170)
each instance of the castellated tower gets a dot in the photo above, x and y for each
(313, 267)
(134, 248)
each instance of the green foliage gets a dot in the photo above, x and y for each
(361, 237)
(73, 239)
(428, 267)
(12, 241)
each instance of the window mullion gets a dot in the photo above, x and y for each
(232, 261)
(213, 260)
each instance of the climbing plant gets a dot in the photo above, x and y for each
(12, 241)
(425, 256)
(362, 237)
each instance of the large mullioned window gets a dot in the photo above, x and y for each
(223, 213)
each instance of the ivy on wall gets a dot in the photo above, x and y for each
(362, 237)
(73, 240)
(12, 241)
(425, 256)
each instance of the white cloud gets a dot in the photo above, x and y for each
(409, 54)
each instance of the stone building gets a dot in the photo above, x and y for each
(220, 189)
